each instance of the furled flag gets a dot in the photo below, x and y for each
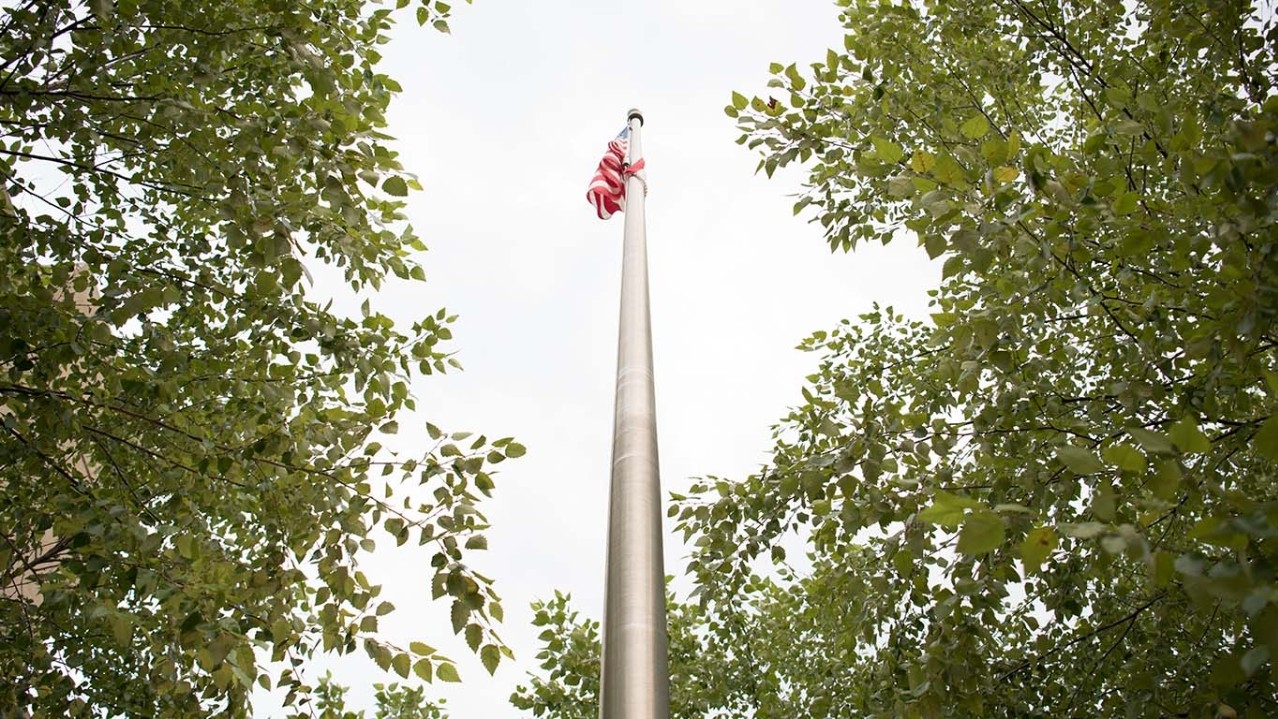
(608, 188)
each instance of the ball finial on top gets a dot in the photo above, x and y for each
(634, 112)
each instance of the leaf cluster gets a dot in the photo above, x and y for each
(188, 440)
(1055, 496)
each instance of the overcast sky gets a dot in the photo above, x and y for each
(504, 122)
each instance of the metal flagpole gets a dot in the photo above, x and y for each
(634, 681)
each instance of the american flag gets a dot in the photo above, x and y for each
(608, 188)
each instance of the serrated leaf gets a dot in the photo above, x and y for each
(447, 673)
(423, 669)
(459, 614)
(491, 657)
(421, 649)
(474, 635)
(739, 101)
(401, 664)
(515, 450)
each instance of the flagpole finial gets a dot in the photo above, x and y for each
(634, 112)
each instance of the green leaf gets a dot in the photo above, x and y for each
(739, 101)
(1153, 442)
(1104, 502)
(459, 614)
(1078, 460)
(976, 127)
(1125, 457)
(948, 171)
(1188, 438)
(490, 655)
(888, 151)
(401, 664)
(1266, 439)
(447, 673)
(515, 450)
(982, 532)
(947, 509)
(1125, 204)
(936, 246)
(395, 185)
(422, 668)
(1254, 659)
(1166, 482)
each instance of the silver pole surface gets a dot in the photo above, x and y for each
(634, 681)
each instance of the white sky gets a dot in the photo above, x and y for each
(504, 122)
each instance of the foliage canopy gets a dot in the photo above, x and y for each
(1056, 495)
(187, 453)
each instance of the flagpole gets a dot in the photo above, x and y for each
(634, 676)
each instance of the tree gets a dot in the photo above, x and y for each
(189, 454)
(774, 649)
(1056, 495)
(702, 673)
(393, 702)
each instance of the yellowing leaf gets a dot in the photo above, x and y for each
(922, 162)
(1005, 174)
(1038, 544)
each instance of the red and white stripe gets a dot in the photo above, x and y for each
(608, 188)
